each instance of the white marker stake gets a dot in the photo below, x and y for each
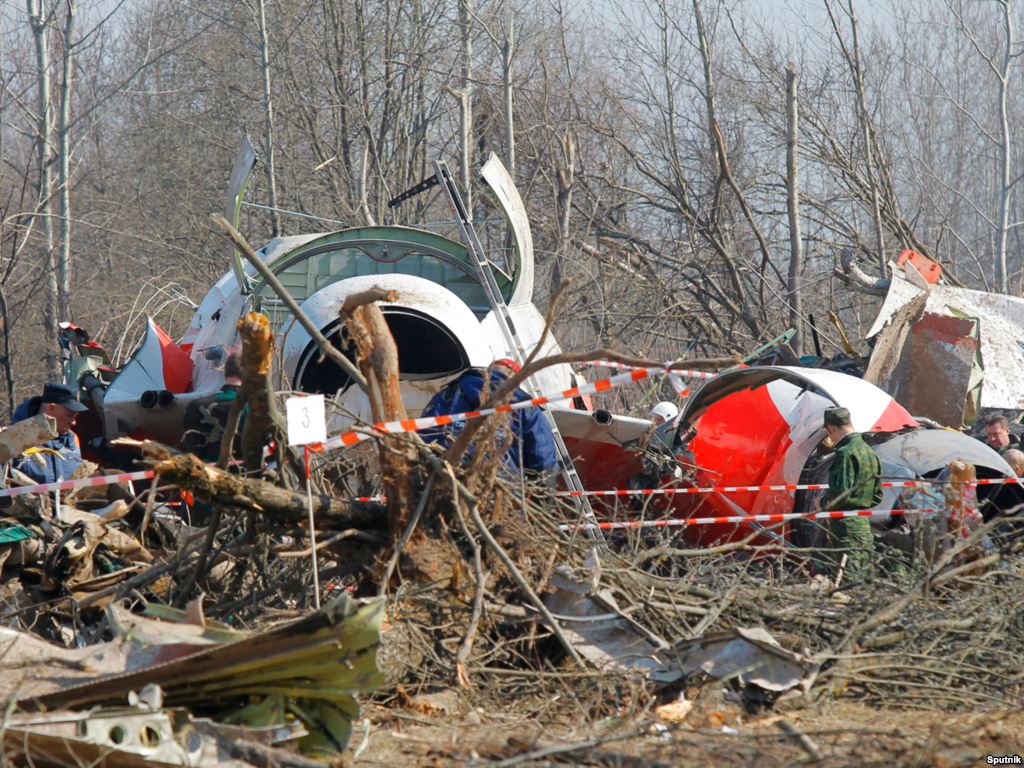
(312, 531)
(307, 424)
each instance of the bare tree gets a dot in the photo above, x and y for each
(1000, 64)
(268, 105)
(466, 100)
(854, 60)
(793, 207)
(39, 20)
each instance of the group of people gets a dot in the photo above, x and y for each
(57, 459)
(854, 476)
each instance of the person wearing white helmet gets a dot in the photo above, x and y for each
(658, 462)
(663, 413)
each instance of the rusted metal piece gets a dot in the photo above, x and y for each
(930, 363)
(1001, 330)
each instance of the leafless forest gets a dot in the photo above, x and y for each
(692, 168)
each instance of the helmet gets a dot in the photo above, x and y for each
(507, 362)
(664, 412)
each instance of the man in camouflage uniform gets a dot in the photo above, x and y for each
(855, 482)
(206, 417)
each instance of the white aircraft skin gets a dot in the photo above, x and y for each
(441, 318)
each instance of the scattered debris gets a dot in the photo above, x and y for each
(754, 659)
(599, 630)
(179, 616)
(1000, 328)
(306, 672)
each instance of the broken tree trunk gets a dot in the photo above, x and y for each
(217, 487)
(263, 422)
(858, 278)
(378, 362)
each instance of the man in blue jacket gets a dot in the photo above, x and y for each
(533, 445)
(56, 459)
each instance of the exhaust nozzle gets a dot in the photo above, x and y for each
(156, 398)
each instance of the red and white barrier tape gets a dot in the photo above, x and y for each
(675, 377)
(746, 488)
(665, 367)
(415, 425)
(85, 482)
(740, 519)
(787, 487)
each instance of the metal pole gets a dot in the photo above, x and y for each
(312, 530)
(504, 319)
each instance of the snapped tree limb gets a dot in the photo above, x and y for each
(217, 487)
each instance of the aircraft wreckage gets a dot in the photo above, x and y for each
(756, 426)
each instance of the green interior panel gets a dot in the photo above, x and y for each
(376, 251)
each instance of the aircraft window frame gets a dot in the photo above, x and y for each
(378, 245)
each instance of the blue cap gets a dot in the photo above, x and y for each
(64, 395)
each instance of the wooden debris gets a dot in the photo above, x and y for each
(25, 434)
(270, 501)
(378, 361)
(263, 422)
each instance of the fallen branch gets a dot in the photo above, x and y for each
(217, 487)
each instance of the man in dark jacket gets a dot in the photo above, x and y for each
(533, 444)
(998, 434)
(56, 459)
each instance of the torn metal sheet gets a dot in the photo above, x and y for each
(931, 363)
(340, 640)
(28, 746)
(29, 665)
(139, 737)
(312, 668)
(149, 392)
(127, 737)
(753, 657)
(241, 172)
(925, 451)
(151, 641)
(1001, 330)
(599, 631)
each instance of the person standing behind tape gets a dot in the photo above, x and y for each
(532, 439)
(56, 459)
(206, 417)
(854, 482)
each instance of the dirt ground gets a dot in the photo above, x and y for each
(558, 727)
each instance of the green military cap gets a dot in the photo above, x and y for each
(837, 416)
